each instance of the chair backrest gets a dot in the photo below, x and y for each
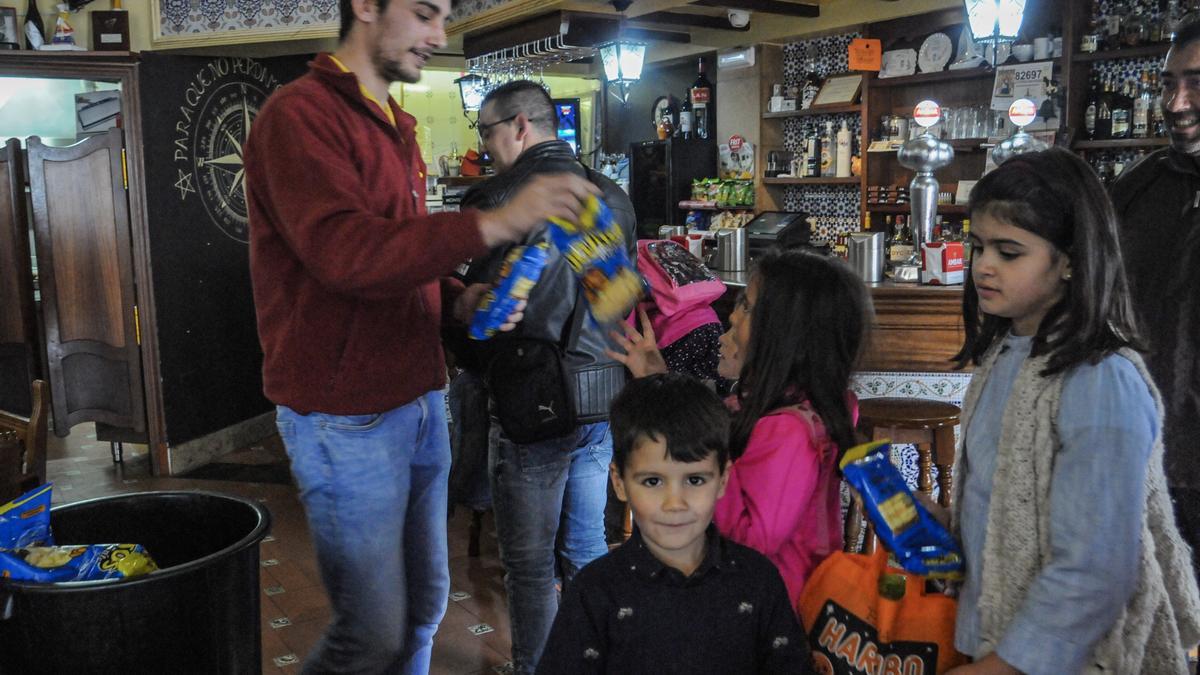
(30, 432)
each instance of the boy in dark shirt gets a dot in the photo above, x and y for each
(677, 597)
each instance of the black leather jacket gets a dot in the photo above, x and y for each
(556, 311)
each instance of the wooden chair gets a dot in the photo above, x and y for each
(23, 446)
(927, 424)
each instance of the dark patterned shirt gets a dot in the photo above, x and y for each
(628, 613)
(697, 354)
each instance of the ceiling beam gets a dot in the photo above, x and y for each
(697, 20)
(765, 6)
(656, 35)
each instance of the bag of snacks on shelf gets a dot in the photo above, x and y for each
(519, 273)
(699, 190)
(920, 543)
(25, 521)
(595, 250)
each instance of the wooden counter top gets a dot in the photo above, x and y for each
(917, 328)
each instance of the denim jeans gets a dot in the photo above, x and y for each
(549, 500)
(374, 490)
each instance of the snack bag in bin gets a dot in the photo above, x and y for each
(25, 521)
(56, 564)
(595, 249)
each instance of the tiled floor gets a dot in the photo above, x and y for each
(473, 638)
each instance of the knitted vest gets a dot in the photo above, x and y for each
(1163, 615)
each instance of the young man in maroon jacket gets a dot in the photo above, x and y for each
(349, 274)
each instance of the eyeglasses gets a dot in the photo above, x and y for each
(486, 129)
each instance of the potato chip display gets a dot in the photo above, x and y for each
(920, 543)
(595, 250)
(519, 273)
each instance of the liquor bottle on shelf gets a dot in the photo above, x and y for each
(1172, 19)
(1112, 28)
(1090, 42)
(843, 151)
(828, 152)
(1122, 113)
(684, 128)
(1141, 108)
(1155, 22)
(812, 157)
(1158, 123)
(1091, 108)
(1104, 112)
(704, 105)
(812, 81)
(1133, 28)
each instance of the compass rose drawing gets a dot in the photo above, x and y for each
(217, 148)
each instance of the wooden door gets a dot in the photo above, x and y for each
(18, 320)
(81, 230)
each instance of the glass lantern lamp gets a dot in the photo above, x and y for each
(472, 88)
(995, 22)
(622, 65)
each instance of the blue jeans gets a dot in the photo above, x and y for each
(374, 490)
(549, 500)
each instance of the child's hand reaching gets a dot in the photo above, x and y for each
(640, 355)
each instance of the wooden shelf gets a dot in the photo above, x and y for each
(853, 180)
(690, 206)
(1159, 49)
(815, 110)
(930, 78)
(1119, 143)
(905, 209)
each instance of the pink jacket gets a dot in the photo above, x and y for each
(783, 496)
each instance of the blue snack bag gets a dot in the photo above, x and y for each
(595, 249)
(25, 521)
(519, 273)
(56, 564)
(920, 543)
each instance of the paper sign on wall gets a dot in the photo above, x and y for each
(866, 54)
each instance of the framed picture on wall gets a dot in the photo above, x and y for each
(10, 32)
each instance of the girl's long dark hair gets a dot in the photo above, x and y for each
(808, 329)
(1058, 197)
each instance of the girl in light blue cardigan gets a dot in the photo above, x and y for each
(1074, 562)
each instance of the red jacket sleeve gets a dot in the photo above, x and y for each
(301, 176)
(770, 485)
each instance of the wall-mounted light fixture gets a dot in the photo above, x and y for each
(622, 65)
(995, 22)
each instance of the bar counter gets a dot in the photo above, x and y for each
(918, 328)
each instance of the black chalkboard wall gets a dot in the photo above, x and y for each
(195, 113)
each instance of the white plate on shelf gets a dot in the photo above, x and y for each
(935, 53)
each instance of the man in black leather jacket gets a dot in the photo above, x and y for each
(549, 495)
(1158, 205)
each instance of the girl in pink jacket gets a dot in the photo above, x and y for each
(795, 337)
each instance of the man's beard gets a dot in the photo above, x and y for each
(393, 71)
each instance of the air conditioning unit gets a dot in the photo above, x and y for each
(732, 59)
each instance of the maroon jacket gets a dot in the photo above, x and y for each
(346, 266)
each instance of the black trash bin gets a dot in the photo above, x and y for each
(198, 614)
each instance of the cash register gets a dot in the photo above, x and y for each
(762, 232)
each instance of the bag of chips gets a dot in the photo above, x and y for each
(595, 250)
(519, 273)
(25, 521)
(28, 553)
(54, 564)
(920, 543)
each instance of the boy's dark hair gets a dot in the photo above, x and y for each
(677, 409)
(808, 329)
(1057, 196)
(1186, 35)
(346, 15)
(524, 96)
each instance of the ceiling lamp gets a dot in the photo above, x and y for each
(622, 64)
(995, 21)
(472, 88)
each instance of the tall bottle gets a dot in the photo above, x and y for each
(704, 105)
(1104, 112)
(812, 157)
(1092, 35)
(843, 151)
(1133, 28)
(684, 128)
(35, 29)
(1158, 123)
(1090, 109)
(828, 152)
(1112, 29)
(1141, 109)
(811, 83)
(1122, 113)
